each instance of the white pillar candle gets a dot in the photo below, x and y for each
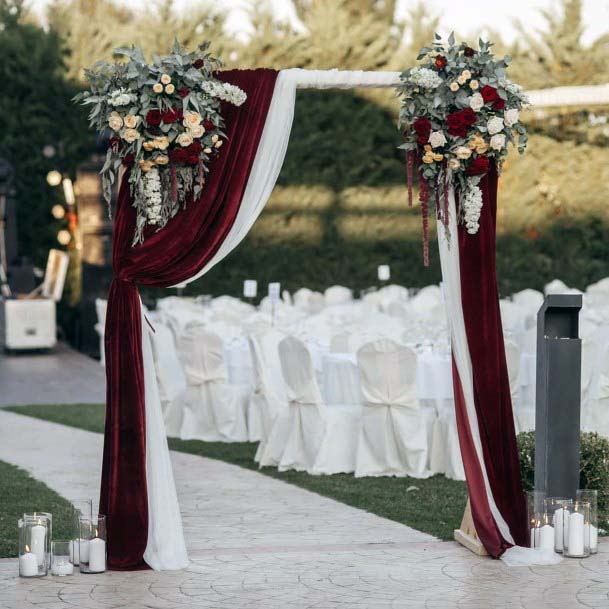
(593, 538)
(575, 538)
(383, 272)
(83, 550)
(546, 537)
(250, 288)
(38, 534)
(97, 555)
(532, 537)
(561, 528)
(28, 564)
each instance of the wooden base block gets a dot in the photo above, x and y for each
(466, 535)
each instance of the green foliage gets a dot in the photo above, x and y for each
(36, 111)
(594, 467)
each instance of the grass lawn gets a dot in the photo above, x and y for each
(20, 493)
(434, 505)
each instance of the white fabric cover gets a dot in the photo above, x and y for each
(165, 549)
(337, 295)
(529, 299)
(394, 435)
(213, 410)
(305, 421)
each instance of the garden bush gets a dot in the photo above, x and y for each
(594, 467)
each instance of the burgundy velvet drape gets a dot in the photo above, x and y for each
(170, 256)
(492, 396)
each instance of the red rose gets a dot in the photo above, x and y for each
(458, 122)
(208, 125)
(153, 118)
(468, 52)
(441, 62)
(499, 104)
(422, 127)
(198, 63)
(172, 115)
(489, 94)
(128, 160)
(183, 92)
(188, 155)
(478, 166)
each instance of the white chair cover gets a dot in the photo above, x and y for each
(337, 294)
(170, 376)
(530, 300)
(395, 430)
(340, 343)
(556, 286)
(305, 420)
(426, 298)
(598, 401)
(300, 298)
(213, 410)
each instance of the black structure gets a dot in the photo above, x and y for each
(558, 396)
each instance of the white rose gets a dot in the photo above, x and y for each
(498, 141)
(511, 117)
(130, 135)
(437, 139)
(184, 139)
(196, 131)
(495, 125)
(115, 121)
(463, 152)
(476, 102)
(191, 119)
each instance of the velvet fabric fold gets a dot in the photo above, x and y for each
(492, 394)
(169, 256)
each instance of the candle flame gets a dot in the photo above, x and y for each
(96, 533)
(27, 548)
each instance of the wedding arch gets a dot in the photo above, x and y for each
(138, 493)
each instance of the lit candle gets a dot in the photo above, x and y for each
(97, 555)
(546, 537)
(575, 539)
(28, 563)
(561, 528)
(38, 537)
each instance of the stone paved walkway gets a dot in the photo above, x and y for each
(258, 543)
(59, 376)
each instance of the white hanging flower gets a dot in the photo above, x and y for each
(426, 78)
(472, 205)
(476, 102)
(437, 139)
(152, 195)
(498, 141)
(495, 125)
(511, 117)
(119, 97)
(224, 91)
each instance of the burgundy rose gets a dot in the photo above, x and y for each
(187, 155)
(499, 104)
(183, 92)
(422, 127)
(198, 63)
(489, 94)
(208, 125)
(128, 160)
(458, 122)
(468, 52)
(478, 166)
(153, 118)
(172, 115)
(441, 62)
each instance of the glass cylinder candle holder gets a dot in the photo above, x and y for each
(81, 508)
(34, 548)
(61, 558)
(49, 518)
(92, 545)
(591, 497)
(558, 510)
(536, 511)
(575, 543)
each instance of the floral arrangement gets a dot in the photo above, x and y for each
(165, 125)
(458, 114)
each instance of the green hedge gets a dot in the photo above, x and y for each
(594, 467)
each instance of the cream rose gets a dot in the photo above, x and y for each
(453, 164)
(511, 117)
(158, 88)
(191, 119)
(115, 122)
(437, 139)
(476, 102)
(131, 121)
(498, 141)
(161, 159)
(169, 89)
(207, 150)
(495, 125)
(165, 79)
(196, 131)
(146, 165)
(161, 142)
(130, 135)
(218, 143)
(148, 146)
(466, 74)
(474, 84)
(454, 86)
(184, 139)
(463, 152)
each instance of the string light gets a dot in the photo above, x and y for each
(64, 237)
